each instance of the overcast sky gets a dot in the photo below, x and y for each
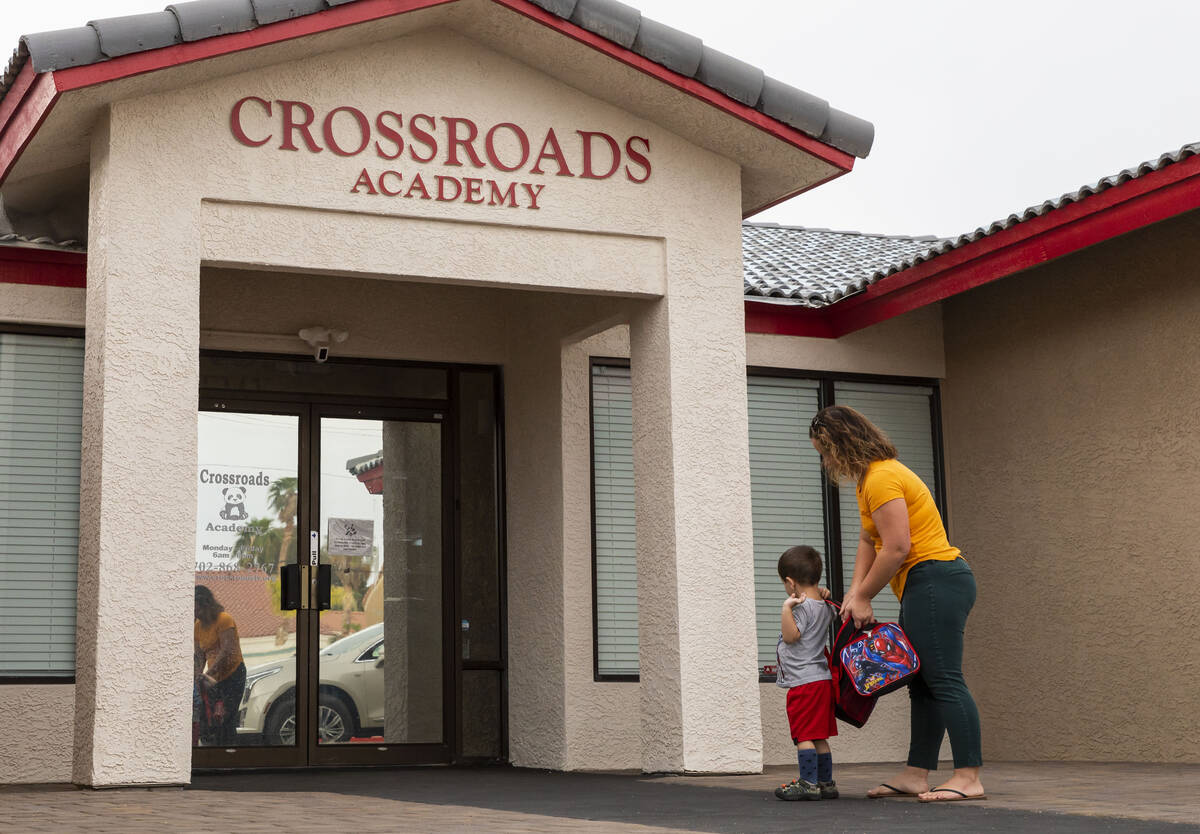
(980, 109)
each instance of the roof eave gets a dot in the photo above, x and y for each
(842, 135)
(1101, 216)
(36, 93)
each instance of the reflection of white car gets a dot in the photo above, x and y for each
(350, 693)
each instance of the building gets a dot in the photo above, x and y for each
(510, 232)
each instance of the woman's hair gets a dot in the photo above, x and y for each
(207, 607)
(848, 442)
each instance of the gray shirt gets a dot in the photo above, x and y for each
(804, 661)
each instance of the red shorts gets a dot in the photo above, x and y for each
(810, 711)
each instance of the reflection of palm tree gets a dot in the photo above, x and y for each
(281, 495)
(257, 544)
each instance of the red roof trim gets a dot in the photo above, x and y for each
(20, 120)
(16, 92)
(185, 53)
(31, 101)
(787, 320)
(43, 267)
(1115, 211)
(827, 153)
(74, 78)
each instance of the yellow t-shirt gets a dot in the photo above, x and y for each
(208, 641)
(888, 480)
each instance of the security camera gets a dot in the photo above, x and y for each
(319, 339)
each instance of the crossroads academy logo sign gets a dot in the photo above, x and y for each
(408, 142)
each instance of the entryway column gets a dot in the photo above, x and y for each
(699, 671)
(133, 691)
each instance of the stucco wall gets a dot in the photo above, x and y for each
(49, 306)
(38, 744)
(1070, 413)
(908, 345)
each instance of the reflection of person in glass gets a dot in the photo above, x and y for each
(219, 670)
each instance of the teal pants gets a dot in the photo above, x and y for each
(938, 596)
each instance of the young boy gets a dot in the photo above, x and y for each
(804, 673)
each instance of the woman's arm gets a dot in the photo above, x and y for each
(891, 520)
(864, 558)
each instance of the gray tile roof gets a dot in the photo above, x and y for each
(365, 463)
(112, 37)
(1080, 194)
(817, 267)
(22, 241)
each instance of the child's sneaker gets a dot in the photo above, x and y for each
(828, 790)
(798, 789)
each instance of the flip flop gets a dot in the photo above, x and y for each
(894, 792)
(959, 796)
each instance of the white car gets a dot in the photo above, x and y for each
(350, 693)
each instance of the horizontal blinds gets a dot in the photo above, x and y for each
(903, 413)
(785, 491)
(41, 406)
(786, 494)
(613, 515)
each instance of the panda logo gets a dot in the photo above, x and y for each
(235, 504)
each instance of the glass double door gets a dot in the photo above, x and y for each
(323, 630)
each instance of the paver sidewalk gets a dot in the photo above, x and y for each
(1082, 799)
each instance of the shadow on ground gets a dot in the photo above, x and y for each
(664, 802)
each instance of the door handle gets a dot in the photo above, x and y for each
(289, 588)
(324, 586)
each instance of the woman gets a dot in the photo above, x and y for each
(903, 542)
(219, 670)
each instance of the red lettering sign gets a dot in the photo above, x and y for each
(453, 141)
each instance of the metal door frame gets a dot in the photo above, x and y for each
(306, 406)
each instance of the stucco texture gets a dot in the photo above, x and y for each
(907, 345)
(1073, 435)
(50, 306)
(38, 744)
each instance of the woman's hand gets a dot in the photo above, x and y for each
(858, 608)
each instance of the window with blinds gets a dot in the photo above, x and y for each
(904, 414)
(41, 407)
(785, 492)
(787, 489)
(615, 545)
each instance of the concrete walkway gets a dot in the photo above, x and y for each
(1131, 799)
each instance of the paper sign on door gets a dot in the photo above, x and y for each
(350, 536)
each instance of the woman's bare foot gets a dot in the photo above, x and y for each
(909, 782)
(963, 784)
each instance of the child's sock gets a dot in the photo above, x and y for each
(808, 765)
(825, 767)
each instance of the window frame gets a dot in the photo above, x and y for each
(66, 333)
(830, 498)
(593, 362)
